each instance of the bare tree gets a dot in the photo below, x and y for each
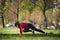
(2, 12)
(44, 10)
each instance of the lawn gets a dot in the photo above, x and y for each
(13, 34)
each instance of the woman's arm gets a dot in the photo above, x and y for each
(20, 31)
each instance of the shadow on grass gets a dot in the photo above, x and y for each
(41, 35)
(28, 35)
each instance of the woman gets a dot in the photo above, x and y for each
(25, 26)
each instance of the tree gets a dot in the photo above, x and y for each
(44, 10)
(3, 9)
(44, 6)
(2, 12)
(18, 8)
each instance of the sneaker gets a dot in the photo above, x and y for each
(33, 32)
(46, 34)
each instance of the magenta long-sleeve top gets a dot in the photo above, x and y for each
(21, 26)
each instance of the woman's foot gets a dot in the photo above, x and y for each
(33, 32)
(46, 34)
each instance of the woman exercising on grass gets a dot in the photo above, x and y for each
(24, 26)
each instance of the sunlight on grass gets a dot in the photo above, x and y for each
(13, 34)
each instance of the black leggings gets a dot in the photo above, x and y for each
(30, 26)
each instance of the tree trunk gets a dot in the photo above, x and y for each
(2, 12)
(18, 8)
(44, 10)
(17, 13)
(2, 19)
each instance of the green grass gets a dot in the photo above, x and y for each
(13, 34)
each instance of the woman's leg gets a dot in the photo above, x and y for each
(33, 28)
(27, 29)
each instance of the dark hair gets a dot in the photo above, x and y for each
(16, 24)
